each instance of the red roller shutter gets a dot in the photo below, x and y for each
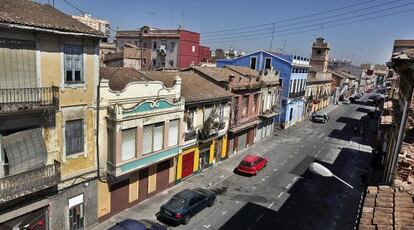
(188, 164)
(119, 196)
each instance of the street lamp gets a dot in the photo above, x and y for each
(323, 171)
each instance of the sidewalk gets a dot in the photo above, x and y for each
(206, 179)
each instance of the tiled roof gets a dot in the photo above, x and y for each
(246, 71)
(119, 77)
(194, 88)
(220, 74)
(387, 208)
(28, 13)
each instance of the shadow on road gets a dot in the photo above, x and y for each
(315, 202)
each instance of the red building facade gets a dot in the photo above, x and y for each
(188, 53)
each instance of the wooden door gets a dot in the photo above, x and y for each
(143, 185)
(119, 196)
(163, 175)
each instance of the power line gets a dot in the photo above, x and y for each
(302, 22)
(310, 30)
(295, 18)
(316, 24)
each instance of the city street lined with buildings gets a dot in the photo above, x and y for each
(254, 201)
(148, 126)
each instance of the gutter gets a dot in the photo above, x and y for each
(37, 29)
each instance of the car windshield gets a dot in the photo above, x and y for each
(175, 203)
(246, 164)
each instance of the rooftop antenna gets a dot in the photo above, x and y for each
(284, 46)
(182, 18)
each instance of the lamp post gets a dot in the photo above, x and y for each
(323, 171)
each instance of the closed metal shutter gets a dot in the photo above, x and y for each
(163, 175)
(173, 133)
(119, 196)
(128, 144)
(17, 64)
(242, 142)
(231, 147)
(187, 165)
(258, 136)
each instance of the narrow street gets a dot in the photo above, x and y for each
(284, 194)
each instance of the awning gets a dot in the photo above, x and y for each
(25, 150)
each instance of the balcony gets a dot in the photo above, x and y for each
(19, 185)
(297, 94)
(28, 100)
(189, 135)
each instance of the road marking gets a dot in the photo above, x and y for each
(271, 204)
(263, 179)
(260, 217)
(279, 195)
(223, 213)
(288, 186)
(274, 170)
(207, 226)
(253, 187)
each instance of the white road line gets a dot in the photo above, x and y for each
(279, 195)
(223, 213)
(271, 204)
(260, 217)
(274, 170)
(294, 179)
(207, 226)
(288, 186)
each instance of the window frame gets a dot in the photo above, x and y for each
(78, 153)
(133, 129)
(82, 211)
(152, 138)
(73, 82)
(177, 134)
(270, 64)
(255, 62)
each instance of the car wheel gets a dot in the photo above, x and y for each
(211, 203)
(186, 220)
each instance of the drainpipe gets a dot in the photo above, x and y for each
(396, 152)
(98, 99)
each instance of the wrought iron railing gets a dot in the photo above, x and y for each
(189, 135)
(222, 124)
(28, 99)
(296, 94)
(18, 185)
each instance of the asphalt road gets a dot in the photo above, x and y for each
(285, 195)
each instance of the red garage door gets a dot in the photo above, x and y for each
(188, 165)
(163, 175)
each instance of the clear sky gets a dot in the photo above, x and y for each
(362, 41)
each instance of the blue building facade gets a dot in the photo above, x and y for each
(293, 76)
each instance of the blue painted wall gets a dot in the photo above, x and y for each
(283, 64)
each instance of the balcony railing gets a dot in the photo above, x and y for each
(18, 185)
(26, 100)
(189, 135)
(297, 94)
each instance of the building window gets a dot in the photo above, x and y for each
(76, 213)
(318, 51)
(255, 102)
(74, 137)
(73, 63)
(154, 45)
(172, 46)
(154, 62)
(173, 132)
(190, 119)
(193, 49)
(245, 105)
(253, 61)
(171, 62)
(153, 137)
(268, 63)
(128, 144)
(280, 82)
(207, 112)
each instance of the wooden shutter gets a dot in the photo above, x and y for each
(128, 144)
(158, 136)
(74, 137)
(17, 64)
(147, 145)
(173, 133)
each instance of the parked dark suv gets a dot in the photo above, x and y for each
(185, 204)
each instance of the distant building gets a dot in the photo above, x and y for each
(94, 23)
(171, 49)
(130, 56)
(318, 88)
(105, 48)
(293, 76)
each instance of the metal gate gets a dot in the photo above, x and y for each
(187, 165)
(242, 141)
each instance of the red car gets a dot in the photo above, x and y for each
(251, 164)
